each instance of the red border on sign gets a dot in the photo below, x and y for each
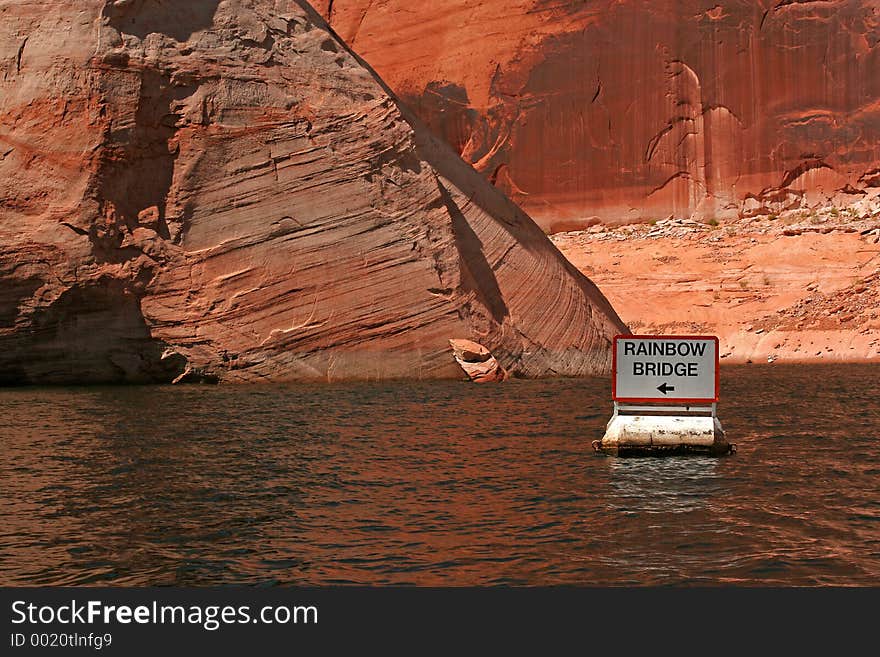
(675, 400)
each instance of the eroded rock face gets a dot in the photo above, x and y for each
(619, 110)
(222, 191)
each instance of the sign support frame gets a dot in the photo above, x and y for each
(628, 408)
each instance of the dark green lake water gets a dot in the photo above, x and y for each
(439, 483)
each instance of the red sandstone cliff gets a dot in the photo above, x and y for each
(628, 109)
(221, 190)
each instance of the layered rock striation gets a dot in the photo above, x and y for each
(223, 191)
(626, 110)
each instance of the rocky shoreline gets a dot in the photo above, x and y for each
(800, 286)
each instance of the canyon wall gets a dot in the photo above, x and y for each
(626, 110)
(222, 191)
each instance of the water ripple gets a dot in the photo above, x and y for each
(436, 484)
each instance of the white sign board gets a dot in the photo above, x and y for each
(665, 368)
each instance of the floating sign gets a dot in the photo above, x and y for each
(665, 368)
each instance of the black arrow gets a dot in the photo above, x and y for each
(665, 388)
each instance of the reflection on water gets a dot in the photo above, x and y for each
(673, 485)
(435, 483)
